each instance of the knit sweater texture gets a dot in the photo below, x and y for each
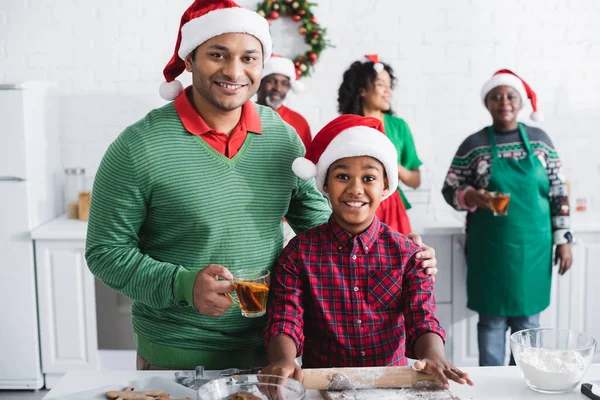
(165, 204)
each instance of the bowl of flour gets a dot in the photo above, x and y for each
(552, 360)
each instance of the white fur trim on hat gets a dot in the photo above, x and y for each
(304, 168)
(297, 86)
(537, 116)
(170, 90)
(504, 80)
(360, 141)
(225, 20)
(283, 66)
(378, 67)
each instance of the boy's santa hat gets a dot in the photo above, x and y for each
(505, 77)
(374, 58)
(284, 66)
(203, 20)
(348, 136)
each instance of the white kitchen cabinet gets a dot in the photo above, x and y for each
(444, 314)
(464, 344)
(443, 284)
(67, 309)
(585, 288)
(443, 252)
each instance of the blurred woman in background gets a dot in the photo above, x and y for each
(367, 90)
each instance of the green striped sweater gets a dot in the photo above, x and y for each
(165, 204)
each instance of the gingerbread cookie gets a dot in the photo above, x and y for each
(243, 396)
(130, 393)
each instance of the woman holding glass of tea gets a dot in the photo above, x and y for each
(509, 245)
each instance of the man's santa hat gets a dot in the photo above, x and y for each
(283, 66)
(505, 77)
(203, 20)
(374, 58)
(348, 136)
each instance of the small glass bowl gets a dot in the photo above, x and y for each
(261, 386)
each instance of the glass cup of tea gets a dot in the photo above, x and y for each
(499, 203)
(252, 290)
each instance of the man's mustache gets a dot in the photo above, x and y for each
(275, 92)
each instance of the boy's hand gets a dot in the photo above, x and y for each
(284, 369)
(442, 370)
(427, 254)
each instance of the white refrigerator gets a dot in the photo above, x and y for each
(30, 195)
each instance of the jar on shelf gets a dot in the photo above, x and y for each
(74, 184)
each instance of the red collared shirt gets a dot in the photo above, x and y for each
(298, 122)
(228, 145)
(351, 301)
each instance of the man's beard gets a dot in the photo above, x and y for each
(275, 104)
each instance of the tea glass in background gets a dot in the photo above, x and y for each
(500, 203)
(252, 289)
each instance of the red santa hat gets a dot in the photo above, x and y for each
(203, 20)
(284, 66)
(374, 58)
(348, 136)
(505, 77)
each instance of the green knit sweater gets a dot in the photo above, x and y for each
(165, 204)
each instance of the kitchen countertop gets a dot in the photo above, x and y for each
(61, 228)
(491, 383)
(444, 222)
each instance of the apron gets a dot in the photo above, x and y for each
(391, 212)
(509, 258)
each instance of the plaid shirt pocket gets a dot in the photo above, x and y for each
(385, 286)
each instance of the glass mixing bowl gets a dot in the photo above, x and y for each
(252, 387)
(552, 360)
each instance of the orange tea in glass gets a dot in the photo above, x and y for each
(252, 289)
(500, 203)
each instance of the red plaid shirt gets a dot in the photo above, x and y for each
(351, 301)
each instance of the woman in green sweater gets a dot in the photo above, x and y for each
(366, 90)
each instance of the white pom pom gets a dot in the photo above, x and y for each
(304, 168)
(378, 67)
(537, 116)
(170, 90)
(297, 86)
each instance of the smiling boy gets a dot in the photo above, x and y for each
(351, 293)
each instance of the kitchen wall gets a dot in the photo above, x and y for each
(108, 57)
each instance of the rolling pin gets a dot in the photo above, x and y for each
(362, 378)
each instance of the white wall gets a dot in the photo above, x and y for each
(108, 57)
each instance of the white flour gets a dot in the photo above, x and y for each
(552, 369)
(419, 391)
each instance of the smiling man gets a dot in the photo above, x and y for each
(279, 76)
(195, 192)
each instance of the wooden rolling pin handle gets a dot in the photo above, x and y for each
(362, 378)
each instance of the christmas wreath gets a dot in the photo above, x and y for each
(314, 34)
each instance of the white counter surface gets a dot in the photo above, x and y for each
(491, 383)
(61, 228)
